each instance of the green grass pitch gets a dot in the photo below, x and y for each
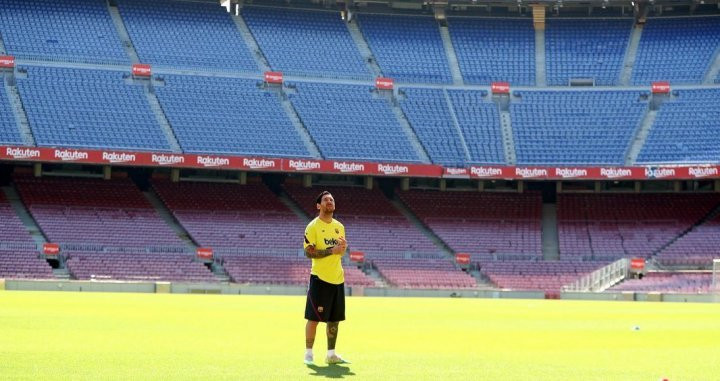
(100, 336)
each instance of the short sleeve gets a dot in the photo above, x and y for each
(309, 239)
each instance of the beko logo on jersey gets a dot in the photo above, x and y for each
(167, 159)
(485, 171)
(70, 155)
(209, 161)
(348, 167)
(703, 171)
(304, 165)
(531, 172)
(570, 172)
(614, 173)
(115, 157)
(659, 173)
(22, 153)
(392, 169)
(256, 164)
(330, 242)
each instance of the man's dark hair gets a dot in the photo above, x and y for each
(319, 197)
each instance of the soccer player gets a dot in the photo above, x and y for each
(325, 244)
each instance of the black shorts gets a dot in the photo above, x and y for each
(325, 301)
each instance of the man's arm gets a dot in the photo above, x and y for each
(312, 252)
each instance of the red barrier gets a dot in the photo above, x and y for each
(141, 70)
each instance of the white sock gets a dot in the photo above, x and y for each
(331, 352)
(308, 351)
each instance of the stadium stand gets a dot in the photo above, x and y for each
(430, 117)
(233, 218)
(227, 115)
(19, 258)
(9, 132)
(575, 127)
(426, 273)
(349, 122)
(586, 48)
(375, 226)
(483, 225)
(698, 247)
(293, 271)
(407, 48)
(309, 43)
(237, 221)
(685, 129)
(506, 54)
(89, 109)
(137, 267)
(185, 34)
(613, 226)
(95, 215)
(548, 276)
(678, 50)
(69, 30)
(479, 121)
(668, 282)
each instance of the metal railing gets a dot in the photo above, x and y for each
(601, 279)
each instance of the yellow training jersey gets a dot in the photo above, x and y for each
(324, 235)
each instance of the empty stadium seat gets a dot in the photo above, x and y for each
(575, 127)
(678, 50)
(185, 34)
(586, 48)
(228, 115)
(89, 109)
(303, 42)
(407, 48)
(506, 51)
(68, 30)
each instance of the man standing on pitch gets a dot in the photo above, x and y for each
(325, 244)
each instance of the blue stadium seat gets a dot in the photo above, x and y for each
(89, 109)
(479, 122)
(183, 34)
(228, 115)
(586, 48)
(429, 115)
(310, 43)
(347, 122)
(68, 30)
(678, 50)
(507, 51)
(407, 49)
(685, 130)
(9, 132)
(575, 127)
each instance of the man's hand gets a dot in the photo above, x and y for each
(340, 247)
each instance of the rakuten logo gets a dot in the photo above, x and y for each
(570, 172)
(259, 164)
(531, 172)
(348, 167)
(209, 161)
(392, 169)
(22, 153)
(614, 173)
(304, 165)
(167, 159)
(703, 171)
(659, 173)
(121, 157)
(456, 171)
(485, 171)
(70, 155)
